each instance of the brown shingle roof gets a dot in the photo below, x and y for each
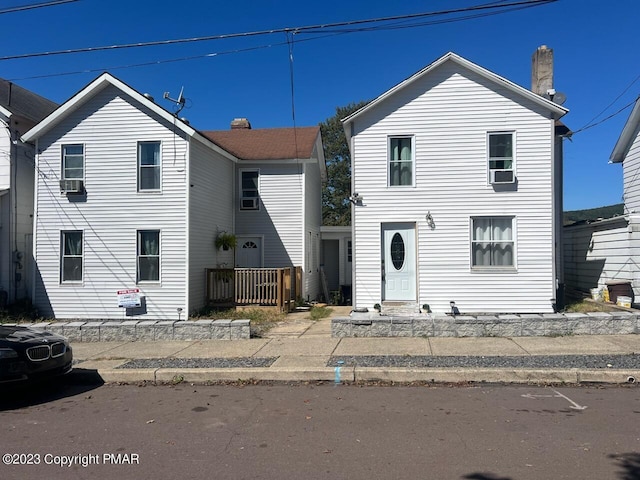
(267, 143)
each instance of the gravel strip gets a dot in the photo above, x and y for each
(240, 362)
(538, 361)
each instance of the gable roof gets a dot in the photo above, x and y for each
(23, 102)
(267, 143)
(556, 110)
(101, 82)
(628, 135)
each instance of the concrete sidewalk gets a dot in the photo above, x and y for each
(301, 349)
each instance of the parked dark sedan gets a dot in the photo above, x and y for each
(30, 353)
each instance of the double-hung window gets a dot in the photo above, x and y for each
(501, 160)
(73, 162)
(400, 161)
(149, 166)
(249, 189)
(492, 243)
(71, 258)
(148, 257)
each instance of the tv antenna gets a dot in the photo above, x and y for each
(180, 101)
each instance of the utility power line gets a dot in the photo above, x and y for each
(32, 6)
(295, 30)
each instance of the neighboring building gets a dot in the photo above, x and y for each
(337, 261)
(127, 197)
(278, 204)
(606, 251)
(20, 110)
(455, 193)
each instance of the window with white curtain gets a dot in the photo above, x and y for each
(149, 166)
(71, 258)
(400, 161)
(492, 242)
(148, 257)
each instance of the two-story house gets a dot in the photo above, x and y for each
(20, 109)
(453, 192)
(130, 198)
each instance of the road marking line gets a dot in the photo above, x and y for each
(573, 405)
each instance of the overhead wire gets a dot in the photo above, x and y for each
(301, 29)
(33, 6)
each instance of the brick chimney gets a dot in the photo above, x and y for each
(240, 124)
(542, 70)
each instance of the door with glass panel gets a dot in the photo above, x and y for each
(249, 252)
(399, 261)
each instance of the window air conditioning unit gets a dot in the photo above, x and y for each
(71, 186)
(502, 176)
(249, 203)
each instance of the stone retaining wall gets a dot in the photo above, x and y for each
(523, 325)
(149, 330)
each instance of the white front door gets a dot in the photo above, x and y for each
(399, 261)
(249, 252)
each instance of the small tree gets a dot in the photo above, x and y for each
(336, 209)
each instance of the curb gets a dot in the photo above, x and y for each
(370, 374)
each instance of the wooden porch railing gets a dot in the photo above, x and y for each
(274, 287)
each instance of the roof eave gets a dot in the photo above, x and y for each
(95, 86)
(627, 135)
(556, 110)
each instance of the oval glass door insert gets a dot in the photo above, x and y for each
(397, 251)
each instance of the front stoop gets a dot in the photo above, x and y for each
(394, 308)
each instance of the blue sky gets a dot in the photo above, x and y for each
(595, 43)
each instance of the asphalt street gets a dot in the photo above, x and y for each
(318, 431)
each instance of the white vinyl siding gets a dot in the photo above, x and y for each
(211, 203)
(631, 177)
(110, 125)
(281, 220)
(449, 112)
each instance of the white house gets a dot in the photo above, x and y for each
(20, 109)
(278, 201)
(454, 193)
(606, 251)
(128, 197)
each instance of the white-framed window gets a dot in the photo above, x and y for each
(349, 251)
(73, 162)
(493, 242)
(500, 151)
(71, 259)
(149, 167)
(249, 189)
(148, 256)
(401, 161)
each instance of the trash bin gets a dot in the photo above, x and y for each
(619, 288)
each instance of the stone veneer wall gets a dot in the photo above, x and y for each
(149, 330)
(596, 323)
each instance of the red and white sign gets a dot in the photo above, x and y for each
(129, 298)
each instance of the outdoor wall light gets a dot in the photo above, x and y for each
(356, 199)
(429, 219)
